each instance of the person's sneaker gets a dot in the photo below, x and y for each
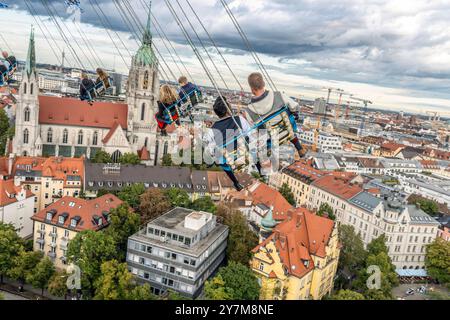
(302, 153)
(239, 187)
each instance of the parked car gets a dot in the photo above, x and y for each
(422, 290)
(410, 292)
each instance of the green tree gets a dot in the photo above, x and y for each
(124, 223)
(326, 210)
(10, 246)
(215, 289)
(352, 255)
(241, 239)
(24, 264)
(178, 198)
(204, 204)
(57, 285)
(130, 158)
(167, 160)
(239, 281)
(41, 274)
(347, 295)
(377, 245)
(101, 157)
(1, 296)
(429, 206)
(141, 293)
(153, 204)
(132, 194)
(377, 256)
(115, 281)
(437, 260)
(286, 192)
(88, 250)
(4, 130)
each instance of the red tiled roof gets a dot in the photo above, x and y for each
(392, 146)
(8, 192)
(84, 209)
(304, 169)
(268, 196)
(111, 132)
(56, 167)
(73, 112)
(144, 154)
(338, 187)
(298, 238)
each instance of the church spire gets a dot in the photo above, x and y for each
(147, 39)
(30, 65)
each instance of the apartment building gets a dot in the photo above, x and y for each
(178, 251)
(49, 178)
(299, 259)
(60, 222)
(407, 228)
(326, 142)
(17, 207)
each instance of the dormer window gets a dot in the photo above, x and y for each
(73, 223)
(71, 204)
(49, 216)
(61, 220)
(100, 221)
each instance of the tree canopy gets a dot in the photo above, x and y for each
(233, 282)
(153, 204)
(101, 157)
(326, 210)
(10, 247)
(132, 194)
(178, 198)
(352, 254)
(286, 192)
(124, 223)
(24, 264)
(41, 274)
(88, 250)
(347, 295)
(130, 158)
(204, 204)
(437, 260)
(241, 239)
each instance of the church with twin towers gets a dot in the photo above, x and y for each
(61, 126)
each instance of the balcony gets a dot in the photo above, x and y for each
(52, 255)
(52, 234)
(40, 241)
(52, 244)
(41, 231)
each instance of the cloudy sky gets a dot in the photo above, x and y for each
(395, 53)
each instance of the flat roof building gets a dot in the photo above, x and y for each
(178, 251)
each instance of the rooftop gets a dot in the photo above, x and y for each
(339, 187)
(366, 201)
(86, 212)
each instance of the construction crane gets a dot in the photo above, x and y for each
(363, 120)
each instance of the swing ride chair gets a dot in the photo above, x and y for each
(74, 3)
(99, 89)
(173, 112)
(280, 125)
(7, 75)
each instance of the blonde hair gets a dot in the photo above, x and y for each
(167, 94)
(256, 81)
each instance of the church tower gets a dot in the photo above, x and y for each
(142, 95)
(27, 140)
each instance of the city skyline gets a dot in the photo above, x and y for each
(379, 63)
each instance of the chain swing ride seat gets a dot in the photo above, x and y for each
(6, 76)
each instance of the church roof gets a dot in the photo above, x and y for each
(111, 132)
(74, 112)
(145, 55)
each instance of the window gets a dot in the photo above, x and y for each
(95, 138)
(27, 114)
(143, 112)
(145, 84)
(26, 136)
(73, 223)
(65, 136)
(31, 88)
(49, 216)
(25, 88)
(50, 135)
(61, 220)
(80, 137)
(66, 233)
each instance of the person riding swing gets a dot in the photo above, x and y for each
(168, 106)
